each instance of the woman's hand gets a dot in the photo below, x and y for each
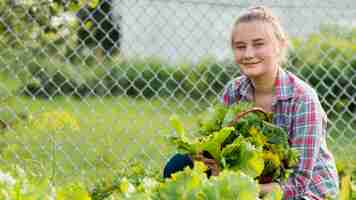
(267, 188)
(212, 164)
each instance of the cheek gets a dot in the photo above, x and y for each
(266, 53)
(262, 52)
(237, 56)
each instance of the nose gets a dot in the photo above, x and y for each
(248, 53)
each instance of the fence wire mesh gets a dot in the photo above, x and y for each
(87, 87)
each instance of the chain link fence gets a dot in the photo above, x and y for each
(87, 87)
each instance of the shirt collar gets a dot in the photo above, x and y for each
(283, 87)
(246, 90)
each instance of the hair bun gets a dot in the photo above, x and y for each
(265, 11)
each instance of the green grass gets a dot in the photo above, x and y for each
(113, 132)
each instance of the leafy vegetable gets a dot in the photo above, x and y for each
(211, 143)
(275, 134)
(242, 155)
(194, 184)
(241, 137)
(212, 120)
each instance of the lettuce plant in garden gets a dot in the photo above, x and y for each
(241, 138)
(18, 186)
(189, 184)
(249, 148)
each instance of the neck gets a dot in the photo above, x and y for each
(263, 87)
(265, 84)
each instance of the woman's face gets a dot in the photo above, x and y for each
(256, 49)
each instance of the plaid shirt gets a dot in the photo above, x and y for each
(296, 108)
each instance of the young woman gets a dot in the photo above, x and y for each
(259, 45)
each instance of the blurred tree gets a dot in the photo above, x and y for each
(40, 24)
(33, 31)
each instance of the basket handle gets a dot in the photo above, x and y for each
(242, 114)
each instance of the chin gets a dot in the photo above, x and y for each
(252, 73)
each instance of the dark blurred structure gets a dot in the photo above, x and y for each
(104, 33)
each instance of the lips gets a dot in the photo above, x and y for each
(251, 62)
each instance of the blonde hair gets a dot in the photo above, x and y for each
(264, 14)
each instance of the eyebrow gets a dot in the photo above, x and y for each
(258, 40)
(254, 40)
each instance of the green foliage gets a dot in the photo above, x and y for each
(19, 186)
(178, 126)
(48, 77)
(99, 33)
(232, 111)
(274, 134)
(47, 22)
(105, 158)
(346, 169)
(233, 185)
(32, 55)
(134, 182)
(187, 184)
(244, 156)
(326, 60)
(13, 65)
(211, 143)
(193, 184)
(246, 141)
(211, 120)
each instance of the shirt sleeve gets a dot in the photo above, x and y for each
(306, 136)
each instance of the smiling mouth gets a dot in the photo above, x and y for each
(251, 63)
